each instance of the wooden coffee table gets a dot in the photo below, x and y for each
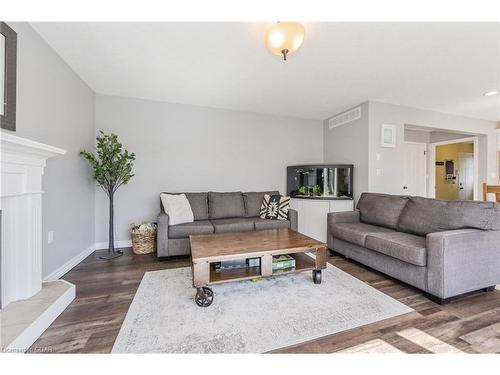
(208, 249)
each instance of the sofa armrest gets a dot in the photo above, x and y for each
(293, 216)
(343, 217)
(461, 261)
(339, 217)
(162, 235)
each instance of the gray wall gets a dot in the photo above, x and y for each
(443, 136)
(55, 107)
(391, 159)
(349, 144)
(358, 142)
(190, 148)
(417, 136)
(421, 136)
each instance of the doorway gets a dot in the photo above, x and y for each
(455, 170)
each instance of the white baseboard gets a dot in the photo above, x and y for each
(118, 244)
(66, 267)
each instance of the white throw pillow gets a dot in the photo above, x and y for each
(177, 207)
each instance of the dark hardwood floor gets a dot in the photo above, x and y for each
(105, 290)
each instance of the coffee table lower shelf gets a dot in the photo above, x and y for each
(303, 262)
(204, 273)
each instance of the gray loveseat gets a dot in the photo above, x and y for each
(445, 248)
(217, 213)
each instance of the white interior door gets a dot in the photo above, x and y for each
(415, 169)
(465, 176)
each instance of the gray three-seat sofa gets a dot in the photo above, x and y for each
(217, 213)
(445, 248)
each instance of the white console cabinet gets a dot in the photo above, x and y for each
(313, 214)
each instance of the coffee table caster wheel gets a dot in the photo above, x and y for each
(317, 276)
(204, 297)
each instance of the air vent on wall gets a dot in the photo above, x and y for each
(344, 118)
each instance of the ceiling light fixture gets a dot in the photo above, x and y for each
(284, 38)
(491, 93)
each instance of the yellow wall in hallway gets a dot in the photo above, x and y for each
(444, 189)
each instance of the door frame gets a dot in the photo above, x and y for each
(431, 188)
(426, 174)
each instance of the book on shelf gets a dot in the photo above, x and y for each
(281, 262)
(227, 265)
(283, 270)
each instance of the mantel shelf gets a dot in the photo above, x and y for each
(18, 145)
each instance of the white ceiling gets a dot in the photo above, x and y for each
(440, 66)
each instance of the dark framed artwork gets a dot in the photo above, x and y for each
(8, 68)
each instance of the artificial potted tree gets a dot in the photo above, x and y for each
(112, 167)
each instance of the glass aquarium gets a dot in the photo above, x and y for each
(324, 181)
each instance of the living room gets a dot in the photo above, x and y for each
(310, 186)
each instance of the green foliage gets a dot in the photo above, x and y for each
(317, 190)
(302, 189)
(111, 163)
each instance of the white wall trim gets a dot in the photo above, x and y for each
(73, 262)
(118, 244)
(70, 264)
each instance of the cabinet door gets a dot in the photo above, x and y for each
(314, 219)
(297, 205)
(341, 206)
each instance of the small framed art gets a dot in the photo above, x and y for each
(388, 135)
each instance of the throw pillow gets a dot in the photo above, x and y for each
(177, 208)
(275, 207)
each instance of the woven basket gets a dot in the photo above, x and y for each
(143, 241)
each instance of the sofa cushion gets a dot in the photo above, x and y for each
(225, 205)
(238, 224)
(177, 207)
(187, 229)
(356, 232)
(403, 246)
(381, 209)
(253, 201)
(199, 204)
(271, 224)
(422, 216)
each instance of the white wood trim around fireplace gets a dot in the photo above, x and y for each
(22, 165)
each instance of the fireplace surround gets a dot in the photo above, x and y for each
(28, 306)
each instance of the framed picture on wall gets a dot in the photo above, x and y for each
(8, 63)
(388, 135)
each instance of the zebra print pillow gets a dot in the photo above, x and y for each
(275, 207)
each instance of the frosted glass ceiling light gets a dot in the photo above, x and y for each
(284, 38)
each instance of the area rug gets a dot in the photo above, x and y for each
(247, 316)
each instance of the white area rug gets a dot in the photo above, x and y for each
(247, 317)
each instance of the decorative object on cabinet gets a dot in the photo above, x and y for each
(320, 181)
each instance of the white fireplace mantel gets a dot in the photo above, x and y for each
(22, 165)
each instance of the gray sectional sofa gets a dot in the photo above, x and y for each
(217, 213)
(445, 248)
